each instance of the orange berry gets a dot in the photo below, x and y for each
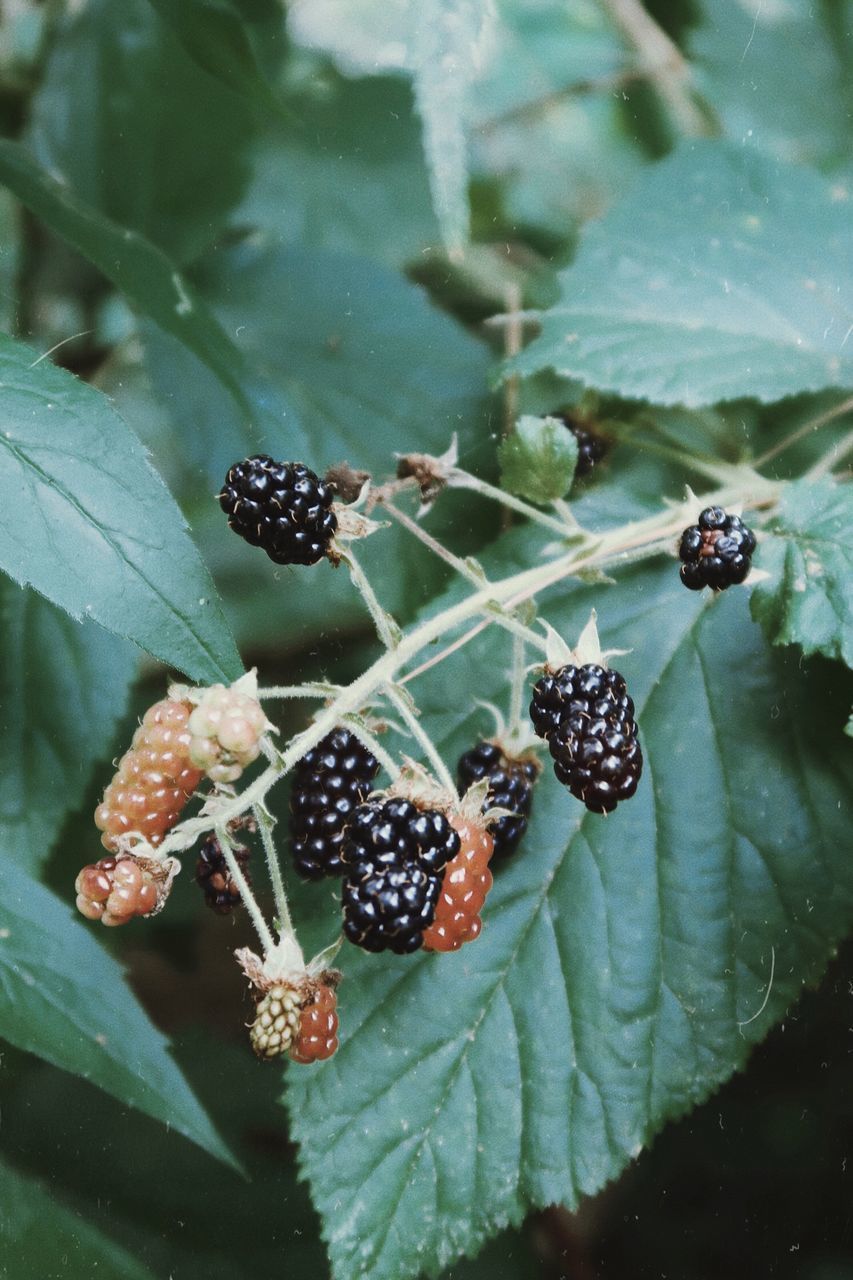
(115, 890)
(467, 880)
(317, 1035)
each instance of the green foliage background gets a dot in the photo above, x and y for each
(228, 227)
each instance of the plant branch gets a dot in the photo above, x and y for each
(386, 627)
(458, 479)
(813, 424)
(282, 908)
(831, 458)
(242, 884)
(401, 702)
(315, 690)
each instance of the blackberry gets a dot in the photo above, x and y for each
(283, 507)
(213, 877)
(395, 855)
(329, 783)
(591, 448)
(716, 552)
(511, 781)
(587, 718)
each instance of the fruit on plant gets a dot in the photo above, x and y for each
(277, 1021)
(329, 783)
(716, 552)
(511, 782)
(587, 718)
(282, 507)
(317, 1035)
(226, 727)
(154, 780)
(466, 881)
(394, 854)
(591, 448)
(212, 875)
(114, 890)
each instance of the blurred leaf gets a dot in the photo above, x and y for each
(626, 965)
(734, 289)
(90, 524)
(136, 129)
(63, 998)
(214, 34)
(10, 259)
(808, 552)
(63, 687)
(773, 75)
(538, 459)
(39, 1237)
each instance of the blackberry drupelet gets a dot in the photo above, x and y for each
(282, 507)
(591, 448)
(587, 718)
(329, 783)
(716, 552)
(213, 877)
(394, 854)
(511, 782)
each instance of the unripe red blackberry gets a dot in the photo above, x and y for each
(226, 727)
(716, 552)
(394, 854)
(511, 782)
(154, 780)
(212, 875)
(317, 1036)
(466, 881)
(587, 718)
(114, 890)
(329, 783)
(282, 507)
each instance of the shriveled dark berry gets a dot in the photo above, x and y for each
(716, 552)
(329, 783)
(394, 854)
(511, 782)
(282, 507)
(591, 448)
(587, 718)
(212, 875)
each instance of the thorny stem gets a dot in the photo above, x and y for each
(239, 879)
(386, 627)
(401, 702)
(458, 479)
(516, 700)
(644, 537)
(282, 908)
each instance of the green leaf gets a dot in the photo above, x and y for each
(40, 1237)
(808, 552)
(627, 965)
(131, 124)
(214, 35)
(63, 687)
(142, 272)
(538, 459)
(63, 998)
(90, 524)
(722, 275)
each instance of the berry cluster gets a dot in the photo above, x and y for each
(467, 879)
(716, 552)
(329, 783)
(155, 778)
(394, 854)
(282, 507)
(511, 782)
(301, 1022)
(214, 879)
(585, 715)
(114, 890)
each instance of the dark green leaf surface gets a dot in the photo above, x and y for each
(63, 686)
(626, 964)
(89, 523)
(40, 1237)
(808, 552)
(63, 998)
(136, 129)
(722, 275)
(538, 459)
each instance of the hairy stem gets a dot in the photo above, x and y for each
(420, 735)
(314, 690)
(385, 625)
(458, 479)
(242, 884)
(282, 907)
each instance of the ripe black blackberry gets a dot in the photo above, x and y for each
(212, 875)
(394, 854)
(283, 507)
(716, 552)
(328, 785)
(591, 448)
(587, 719)
(511, 782)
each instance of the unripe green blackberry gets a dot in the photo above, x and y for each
(277, 1020)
